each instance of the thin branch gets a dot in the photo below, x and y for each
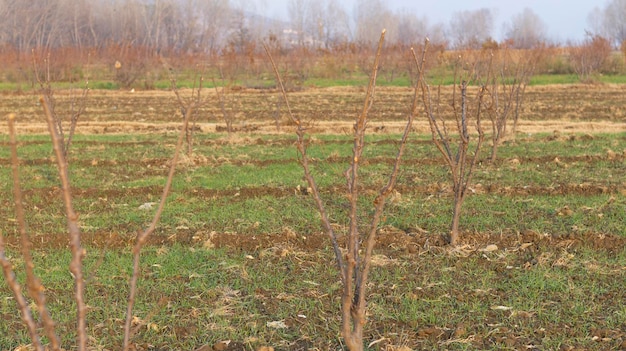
(78, 253)
(195, 100)
(439, 137)
(352, 175)
(304, 162)
(379, 202)
(34, 285)
(75, 114)
(142, 237)
(222, 101)
(28, 262)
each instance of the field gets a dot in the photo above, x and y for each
(240, 255)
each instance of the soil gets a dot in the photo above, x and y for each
(554, 109)
(566, 108)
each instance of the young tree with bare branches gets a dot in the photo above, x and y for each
(506, 83)
(190, 105)
(459, 154)
(77, 107)
(354, 261)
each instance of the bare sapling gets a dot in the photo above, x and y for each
(506, 84)
(527, 67)
(221, 98)
(77, 106)
(142, 236)
(354, 261)
(192, 103)
(456, 150)
(33, 283)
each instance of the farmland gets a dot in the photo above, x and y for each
(240, 254)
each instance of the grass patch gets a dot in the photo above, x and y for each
(239, 245)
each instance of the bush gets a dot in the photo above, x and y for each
(590, 57)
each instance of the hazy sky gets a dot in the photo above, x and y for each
(566, 19)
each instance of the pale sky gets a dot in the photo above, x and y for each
(565, 19)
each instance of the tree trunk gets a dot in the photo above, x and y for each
(354, 338)
(456, 216)
(494, 150)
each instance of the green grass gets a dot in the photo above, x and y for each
(401, 80)
(544, 79)
(557, 291)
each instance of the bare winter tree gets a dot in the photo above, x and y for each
(34, 286)
(507, 78)
(354, 262)
(214, 18)
(318, 23)
(299, 16)
(333, 24)
(526, 30)
(189, 107)
(64, 127)
(409, 27)
(454, 142)
(612, 20)
(470, 29)
(370, 17)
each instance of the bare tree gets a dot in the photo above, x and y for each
(227, 114)
(526, 30)
(214, 18)
(409, 27)
(299, 16)
(189, 107)
(455, 149)
(78, 253)
(35, 288)
(333, 24)
(354, 262)
(506, 83)
(77, 106)
(470, 29)
(370, 17)
(613, 21)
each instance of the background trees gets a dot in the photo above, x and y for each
(470, 29)
(610, 21)
(371, 16)
(318, 24)
(139, 33)
(525, 30)
(205, 26)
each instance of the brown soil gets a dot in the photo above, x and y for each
(567, 108)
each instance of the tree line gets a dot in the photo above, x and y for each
(210, 26)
